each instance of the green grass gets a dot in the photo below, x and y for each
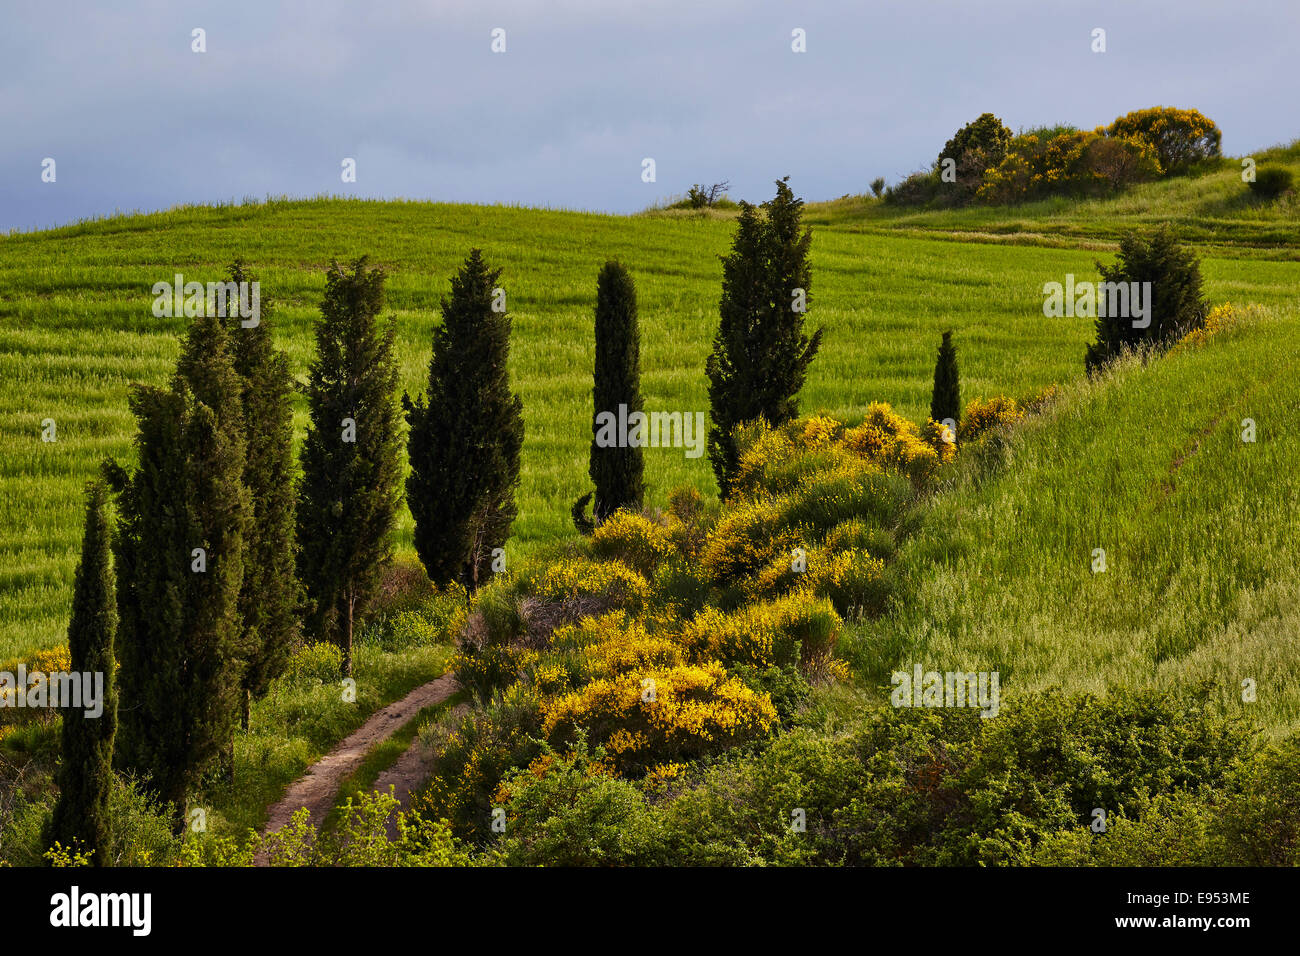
(1198, 528)
(76, 328)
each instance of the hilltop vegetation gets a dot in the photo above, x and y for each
(1213, 208)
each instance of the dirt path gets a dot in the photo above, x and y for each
(317, 788)
(407, 774)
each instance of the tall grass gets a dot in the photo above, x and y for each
(1199, 591)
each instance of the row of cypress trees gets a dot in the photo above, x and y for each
(219, 557)
(266, 557)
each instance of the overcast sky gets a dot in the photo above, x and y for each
(585, 90)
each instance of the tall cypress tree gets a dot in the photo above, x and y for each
(271, 595)
(466, 434)
(760, 353)
(348, 499)
(617, 472)
(85, 776)
(180, 561)
(945, 400)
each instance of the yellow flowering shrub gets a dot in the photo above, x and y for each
(820, 430)
(851, 579)
(614, 643)
(795, 629)
(51, 660)
(941, 438)
(645, 718)
(759, 451)
(610, 581)
(1180, 138)
(894, 442)
(632, 539)
(850, 576)
(982, 415)
(1220, 318)
(749, 535)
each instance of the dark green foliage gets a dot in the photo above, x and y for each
(976, 147)
(584, 524)
(466, 435)
(787, 687)
(1176, 307)
(270, 598)
(760, 354)
(878, 186)
(1271, 183)
(616, 471)
(81, 817)
(350, 492)
(180, 634)
(918, 189)
(944, 786)
(945, 399)
(574, 814)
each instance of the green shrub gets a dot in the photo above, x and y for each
(918, 189)
(634, 540)
(946, 787)
(788, 688)
(471, 755)
(487, 670)
(568, 811)
(976, 147)
(140, 832)
(1176, 305)
(794, 630)
(1271, 183)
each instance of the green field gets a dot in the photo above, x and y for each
(76, 328)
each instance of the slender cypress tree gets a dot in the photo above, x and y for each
(271, 595)
(760, 354)
(466, 434)
(617, 471)
(350, 492)
(81, 818)
(945, 400)
(180, 561)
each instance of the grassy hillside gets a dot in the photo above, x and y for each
(1197, 525)
(1216, 209)
(76, 329)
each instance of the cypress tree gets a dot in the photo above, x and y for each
(1176, 303)
(945, 400)
(617, 471)
(179, 554)
(349, 495)
(465, 434)
(760, 355)
(85, 775)
(270, 597)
